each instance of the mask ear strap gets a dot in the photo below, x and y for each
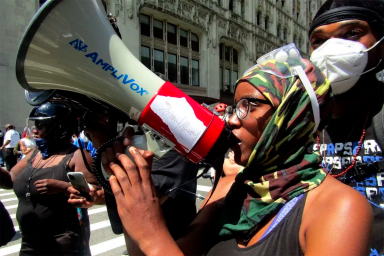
(373, 46)
(372, 68)
(298, 70)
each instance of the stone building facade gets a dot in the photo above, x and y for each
(202, 46)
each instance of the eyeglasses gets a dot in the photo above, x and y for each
(243, 107)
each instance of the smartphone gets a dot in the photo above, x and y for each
(78, 182)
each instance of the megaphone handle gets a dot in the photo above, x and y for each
(117, 226)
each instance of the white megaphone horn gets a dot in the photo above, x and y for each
(70, 46)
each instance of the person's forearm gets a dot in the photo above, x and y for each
(160, 244)
(100, 197)
(5, 179)
(5, 144)
(63, 186)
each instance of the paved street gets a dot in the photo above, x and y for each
(103, 241)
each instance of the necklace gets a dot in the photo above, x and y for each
(359, 145)
(33, 171)
(346, 140)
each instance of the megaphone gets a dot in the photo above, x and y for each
(70, 46)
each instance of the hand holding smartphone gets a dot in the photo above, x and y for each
(78, 181)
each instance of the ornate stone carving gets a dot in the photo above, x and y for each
(129, 8)
(118, 7)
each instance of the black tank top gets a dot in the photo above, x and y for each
(282, 240)
(45, 215)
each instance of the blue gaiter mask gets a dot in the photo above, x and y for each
(43, 146)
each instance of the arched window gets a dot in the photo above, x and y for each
(266, 21)
(258, 17)
(300, 42)
(195, 42)
(229, 59)
(242, 8)
(230, 7)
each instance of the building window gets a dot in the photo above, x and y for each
(159, 61)
(178, 69)
(158, 29)
(194, 42)
(195, 72)
(285, 34)
(242, 9)
(227, 80)
(227, 53)
(183, 38)
(146, 56)
(221, 51)
(184, 70)
(221, 76)
(171, 34)
(230, 7)
(228, 67)
(234, 79)
(235, 61)
(145, 25)
(282, 3)
(278, 31)
(258, 16)
(172, 68)
(221, 2)
(266, 23)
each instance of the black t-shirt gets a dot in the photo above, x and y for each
(338, 144)
(168, 172)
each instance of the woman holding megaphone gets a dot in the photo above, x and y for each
(281, 203)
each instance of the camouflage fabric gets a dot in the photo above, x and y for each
(280, 167)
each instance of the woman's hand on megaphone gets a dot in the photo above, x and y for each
(137, 203)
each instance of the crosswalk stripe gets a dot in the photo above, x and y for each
(10, 249)
(7, 194)
(95, 226)
(95, 249)
(9, 199)
(203, 188)
(90, 212)
(8, 207)
(107, 245)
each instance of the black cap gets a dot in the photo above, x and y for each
(332, 11)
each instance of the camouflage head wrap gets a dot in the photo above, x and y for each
(280, 167)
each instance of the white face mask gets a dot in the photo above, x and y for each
(342, 61)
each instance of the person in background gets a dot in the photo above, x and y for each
(77, 140)
(27, 144)
(10, 140)
(1, 150)
(7, 230)
(48, 224)
(346, 38)
(91, 149)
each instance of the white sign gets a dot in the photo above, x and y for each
(180, 118)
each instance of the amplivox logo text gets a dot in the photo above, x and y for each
(94, 56)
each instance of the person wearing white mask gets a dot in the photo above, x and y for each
(347, 44)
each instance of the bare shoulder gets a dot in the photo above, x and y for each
(335, 196)
(336, 218)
